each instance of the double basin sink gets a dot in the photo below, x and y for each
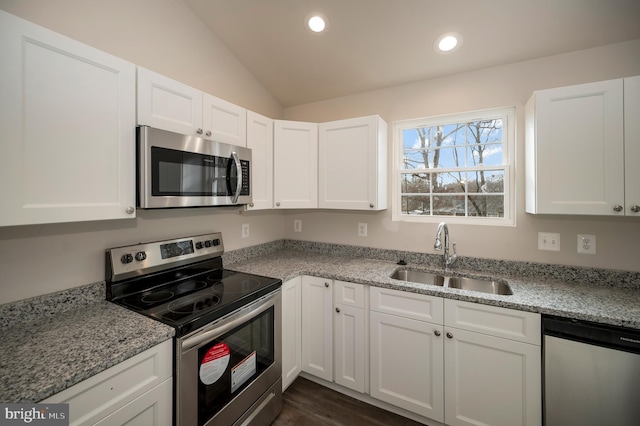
(491, 286)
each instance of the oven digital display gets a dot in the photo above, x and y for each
(176, 249)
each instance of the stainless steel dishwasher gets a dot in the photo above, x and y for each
(591, 374)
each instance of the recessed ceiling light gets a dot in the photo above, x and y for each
(447, 43)
(316, 22)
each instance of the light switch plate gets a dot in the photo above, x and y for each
(297, 225)
(362, 230)
(586, 244)
(548, 241)
(245, 230)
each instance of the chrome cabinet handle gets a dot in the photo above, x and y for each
(371, 205)
(250, 204)
(326, 285)
(617, 208)
(208, 133)
(449, 335)
(130, 210)
(635, 209)
(437, 333)
(338, 310)
(278, 204)
(234, 200)
(199, 131)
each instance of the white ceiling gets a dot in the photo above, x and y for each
(371, 44)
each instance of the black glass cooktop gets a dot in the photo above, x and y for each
(190, 297)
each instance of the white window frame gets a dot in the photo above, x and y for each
(508, 115)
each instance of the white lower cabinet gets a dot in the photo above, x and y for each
(468, 364)
(317, 327)
(407, 351)
(349, 336)
(291, 330)
(138, 391)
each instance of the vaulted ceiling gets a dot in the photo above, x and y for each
(371, 44)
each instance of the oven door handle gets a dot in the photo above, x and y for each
(234, 200)
(236, 319)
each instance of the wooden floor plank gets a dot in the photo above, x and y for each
(310, 404)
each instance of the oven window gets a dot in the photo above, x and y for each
(229, 364)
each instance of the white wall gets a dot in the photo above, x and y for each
(618, 239)
(167, 37)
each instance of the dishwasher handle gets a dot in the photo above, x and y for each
(604, 335)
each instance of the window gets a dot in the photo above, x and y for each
(457, 168)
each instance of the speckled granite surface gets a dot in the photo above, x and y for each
(52, 342)
(610, 297)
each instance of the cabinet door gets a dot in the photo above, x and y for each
(295, 164)
(223, 121)
(317, 327)
(491, 381)
(350, 361)
(291, 331)
(632, 145)
(260, 141)
(406, 364)
(67, 128)
(154, 408)
(575, 150)
(353, 164)
(167, 104)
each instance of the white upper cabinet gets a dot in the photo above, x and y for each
(576, 146)
(67, 129)
(223, 121)
(295, 164)
(353, 164)
(167, 104)
(632, 145)
(260, 141)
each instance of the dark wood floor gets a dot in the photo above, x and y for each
(310, 404)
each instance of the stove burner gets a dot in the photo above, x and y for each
(192, 304)
(157, 296)
(191, 285)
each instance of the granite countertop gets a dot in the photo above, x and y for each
(604, 303)
(55, 341)
(50, 343)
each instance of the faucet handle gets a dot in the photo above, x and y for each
(454, 256)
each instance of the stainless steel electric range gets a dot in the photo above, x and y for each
(227, 368)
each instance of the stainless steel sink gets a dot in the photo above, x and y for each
(483, 286)
(462, 283)
(418, 277)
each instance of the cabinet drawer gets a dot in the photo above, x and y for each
(349, 294)
(406, 304)
(493, 320)
(100, 395)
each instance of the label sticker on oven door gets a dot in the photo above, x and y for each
(214, 363)
(243, 371)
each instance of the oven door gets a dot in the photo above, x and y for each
(185, 171)
(229, 368)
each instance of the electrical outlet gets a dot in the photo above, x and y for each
(297, 225)
(548, 241)
(245, 230)
(586, 244)
(362, 230)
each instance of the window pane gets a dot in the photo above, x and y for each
(416, 205)
(485, 154)
(450, 157)
(485, 181)
(486, 205)
(449, 182)
(446, 205)
(415, 183)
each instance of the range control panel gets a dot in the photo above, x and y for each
(139, 259)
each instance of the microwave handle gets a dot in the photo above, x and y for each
(234, 200)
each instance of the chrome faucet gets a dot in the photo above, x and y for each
(448, 259)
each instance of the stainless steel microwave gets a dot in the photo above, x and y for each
(175, 170)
